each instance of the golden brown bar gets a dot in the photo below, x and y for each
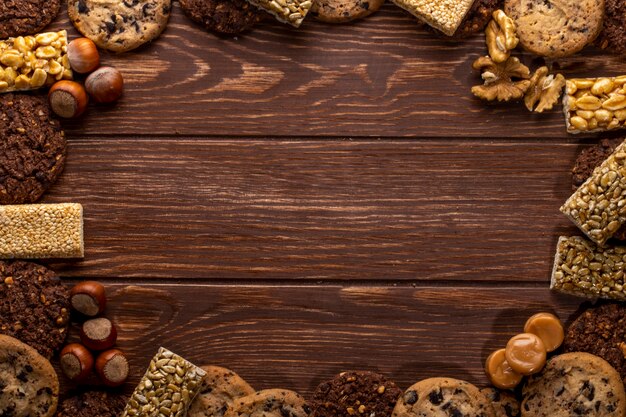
(444, 15)
(292, 12)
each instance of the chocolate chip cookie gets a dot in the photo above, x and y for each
(478, 17)
(228, 17)
(92, 404)
(613, 35)
(270, 403)
(29, 387)
(443, 396)
(26, 17)
(342, 11)
(504, 403)
(120, 26)
(220, 388)
(574, 384)
(32, 149)
(34, 306)
(355, 393)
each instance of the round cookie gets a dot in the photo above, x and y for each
(120, 26)
(92, 404)
(613, 35)
(556, 29)
(34, 306)
(341, 11)
(29, 387)
(32, 149)
(600, 331)
(26, 17)
(228, 17)
(504, 403)
(574, 384)
(270, 403)
(443, 396)
(478, 17)
(220, 388)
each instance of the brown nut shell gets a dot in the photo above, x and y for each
(83, 55)
(88, 298)
(76, 362)
(68, 99)
(105, 85)
(500, 372)
(112, 367)
(549, 329)
(526, 353)
(98, 334)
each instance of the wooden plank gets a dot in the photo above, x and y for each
(270, 209)
(296, 337)
(385, 76)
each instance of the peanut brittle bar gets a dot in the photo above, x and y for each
(292, 12)
(595, 104)
(444, 15)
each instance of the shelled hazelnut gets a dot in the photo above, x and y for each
(98, 334)
(88, 298)
(112, 367)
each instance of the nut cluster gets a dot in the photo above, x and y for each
(31, 62)
(584, 269)
(595, 104)
(288, 11)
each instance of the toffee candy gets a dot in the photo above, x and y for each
(595, 104)
(525, 353)
(444, 15)
(549, 329)
(500, 372)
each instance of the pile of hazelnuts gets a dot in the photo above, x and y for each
(68, 99)
(98, 336)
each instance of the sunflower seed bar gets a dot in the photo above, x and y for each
(443, 15)
(292, 12)
(34, 231)
(598, 207)
(167, 388)
(595, 104)
(584, 269)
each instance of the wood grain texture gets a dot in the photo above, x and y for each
(384, 76)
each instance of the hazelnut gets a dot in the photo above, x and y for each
(98, 334)
(88, 298)
(68, 99)
(112, 367)
(105, 85)
(76, 362)
(83, 55)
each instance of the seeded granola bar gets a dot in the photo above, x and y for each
(292, 12)
(35, 231)
(595, 104)
(167, 388)
(582, 268)
(443, 15)
(598, 207)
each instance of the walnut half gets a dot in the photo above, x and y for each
(544, 89)
(501, 36)
(504, 81)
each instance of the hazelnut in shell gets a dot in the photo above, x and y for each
(76, 362)
(112, 367)
(68, 99)
(105, 85)
(83, 55)
(88, 298)
(98, 334)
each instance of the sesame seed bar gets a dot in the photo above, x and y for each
(584, 269)
(443, 15)
(598, 207)
(292, 12)
(35, 231)
(167, 388)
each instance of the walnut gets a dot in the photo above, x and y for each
(501, 36)
(544, 89)
(503, 81)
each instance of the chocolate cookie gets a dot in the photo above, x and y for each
(32, 149)
(270, 403)
(613, 35)
(122, 25)
(29, 387)
(220, 388)
(341, 11)
(574, 384)
(92, 404)
(228, 17)
(601, 331)
(478, 17)
(355, 393)
(34, 306)
(436, 397)
(26, 17)
(504, 403)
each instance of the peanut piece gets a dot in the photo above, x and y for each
(588, 103)
(579, 123)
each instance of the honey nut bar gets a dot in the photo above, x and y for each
(595, 104)
(443, 15)
(292, 12)
(582, 268)
(35, 231)
(167, 388)
(598, 207)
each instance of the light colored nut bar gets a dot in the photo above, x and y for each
(598, 207)
(443, 15)
(595, 104)
(167, 388)
(292, 12)
(31, 62)
(584, 269)
(35, 231)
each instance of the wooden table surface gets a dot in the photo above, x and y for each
(294, 203)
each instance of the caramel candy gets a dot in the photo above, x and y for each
(526, 353)
(549, 329)
(500, 372)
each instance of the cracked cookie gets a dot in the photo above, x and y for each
(33, 149)
(29, 387)
(26, 17)
(504, 403)
(220, 388)
(228, 17)
(120, 26)
(341, 11)
(92, 404)
(270, 403)
(613, 36)
(574, 384)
